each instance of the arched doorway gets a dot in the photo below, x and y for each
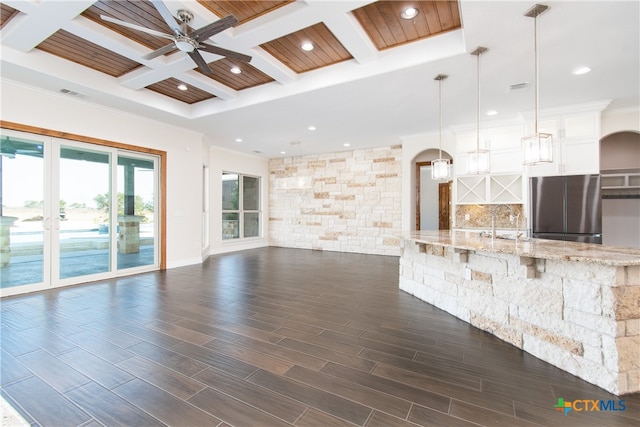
(620, 177)
(433, 198)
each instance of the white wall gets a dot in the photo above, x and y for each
(221, 160)
(627, 119)
(50, 110)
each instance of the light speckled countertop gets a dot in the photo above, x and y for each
(534, 248)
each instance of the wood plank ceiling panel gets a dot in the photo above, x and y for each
(169, 87)
(249, 77)
(243, 10)
(83, 52)
(386, 28)
(141, 13)
(328, 49)
(6, 13)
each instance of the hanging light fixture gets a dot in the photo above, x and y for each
(538, 147)
(440, 168)
(479, 158)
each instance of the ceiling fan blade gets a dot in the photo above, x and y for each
(168, 17)
(162, 51)
(199, 60)
(224, 52)
(214, 28)
(136, 27)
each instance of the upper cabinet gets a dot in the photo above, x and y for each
(576, 140)
(484, 189)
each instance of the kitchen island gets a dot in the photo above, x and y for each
(574, 305)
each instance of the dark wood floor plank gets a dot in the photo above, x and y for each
(217, 360)
(444, 388)
(262, 398)
(99, 370)
(167, 379)
(104, 349)
(184, 334)
(109, 408)
(326, 402)
(352, 391)
(233, 411)
(444, 372)
(250, 356)
(380, 419)
(56, 373)
(321, 341)
(316, 418)
(484, 416)
(45, 404)
(284, 353)
(329, 355)
(168, 358)
(394, 388)
(428, 417)
(150, 336)
(11, 369)
(164, 406)
(371, 344)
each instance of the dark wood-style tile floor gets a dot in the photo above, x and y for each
(272, 337)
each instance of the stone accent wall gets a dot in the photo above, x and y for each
(346, 201)
(581, 317)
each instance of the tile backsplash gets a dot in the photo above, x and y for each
(479, 216)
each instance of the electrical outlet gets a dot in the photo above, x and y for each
(467, 217)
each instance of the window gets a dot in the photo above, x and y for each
(240, 206)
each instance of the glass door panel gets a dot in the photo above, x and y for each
(136, 211)
(22, 211)
(83, 223)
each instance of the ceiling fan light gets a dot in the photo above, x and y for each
(183, 86)
(307, 46)
(185, 44)
(236, 70)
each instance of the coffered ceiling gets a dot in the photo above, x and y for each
(368, 80)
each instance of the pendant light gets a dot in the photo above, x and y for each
(440, 168)
(478, 159)
(538, 147)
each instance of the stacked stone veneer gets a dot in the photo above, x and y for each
(347, 201)
(581, 317)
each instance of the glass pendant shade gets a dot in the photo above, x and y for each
(440, 169)
(478, 162)
(537, 148)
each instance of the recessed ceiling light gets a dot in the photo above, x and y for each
(312, 127)
(238, 139)
(346, 144)
(307, 46)
(182, 86)
(283, 152)
(409, 13)
(491, 113)
(581, 70)
(236, 70)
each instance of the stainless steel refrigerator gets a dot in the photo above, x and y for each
(566, 208)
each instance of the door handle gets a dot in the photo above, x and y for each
(47, 223)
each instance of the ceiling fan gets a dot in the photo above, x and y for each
(190, 43)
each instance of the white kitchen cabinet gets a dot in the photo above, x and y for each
(576, 140)
(494, 188)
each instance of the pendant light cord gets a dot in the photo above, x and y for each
(440, 118)
(478, 105)
(536, 95)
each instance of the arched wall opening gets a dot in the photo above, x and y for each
(620, 170)
(431, 199)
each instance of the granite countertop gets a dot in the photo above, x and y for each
(534, 248)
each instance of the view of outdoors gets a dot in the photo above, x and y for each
(61, 224)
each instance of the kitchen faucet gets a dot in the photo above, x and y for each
(494, 212)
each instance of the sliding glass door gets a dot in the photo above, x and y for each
(73, 212)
